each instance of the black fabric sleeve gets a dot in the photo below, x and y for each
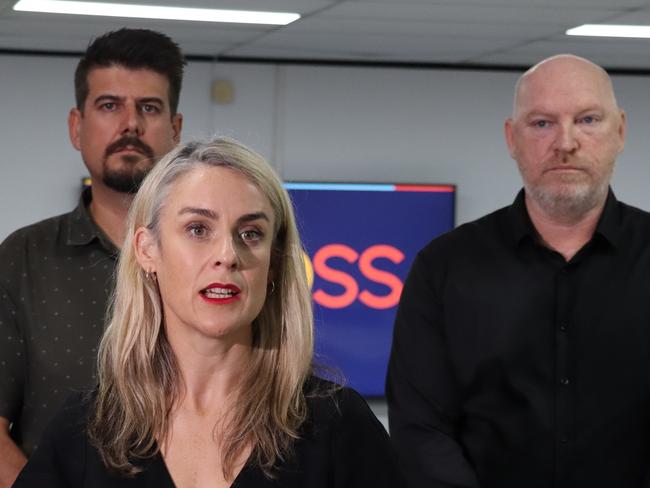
(12, 359)
(59, 460)
(361, 450)
(423, 404)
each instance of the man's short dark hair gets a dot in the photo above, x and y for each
(133, 49)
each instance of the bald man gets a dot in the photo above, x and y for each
(521, 351)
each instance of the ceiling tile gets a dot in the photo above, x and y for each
(371, 47)
(306, 54)
(641, 17)
(617, 53)
(431, 31)
(530, 3)
(462, 12)
(40, 32)
(361, 28)
(298, 6)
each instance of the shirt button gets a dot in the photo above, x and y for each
(564, 439)
(563, 327)
(564, 381)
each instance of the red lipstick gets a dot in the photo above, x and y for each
(220, 293)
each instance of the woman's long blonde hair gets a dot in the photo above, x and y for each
(138, 374)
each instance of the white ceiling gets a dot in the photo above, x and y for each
(465, 32)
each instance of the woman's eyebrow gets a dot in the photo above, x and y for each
(204, 212)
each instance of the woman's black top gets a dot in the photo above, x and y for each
(342, 444)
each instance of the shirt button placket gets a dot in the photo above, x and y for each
(563, 379)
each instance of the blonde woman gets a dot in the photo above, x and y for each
(205, 368)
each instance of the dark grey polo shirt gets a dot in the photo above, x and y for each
(55, 279)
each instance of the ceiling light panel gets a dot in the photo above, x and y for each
(155, 12)
(610, 30)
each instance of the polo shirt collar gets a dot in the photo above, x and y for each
(608, 227)
(82, 229)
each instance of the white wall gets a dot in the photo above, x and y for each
(40, 172)
(379, 125)
(314, 123)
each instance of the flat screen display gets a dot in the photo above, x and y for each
(360, 241)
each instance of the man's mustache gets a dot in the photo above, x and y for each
(129, 141)
(566, 161)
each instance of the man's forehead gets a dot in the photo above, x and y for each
(550, 95)
(573, 105)
(564, 85)
(125, 79)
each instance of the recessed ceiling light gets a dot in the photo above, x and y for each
(610, 30)
(155, 12)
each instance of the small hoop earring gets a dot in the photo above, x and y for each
(150, 276)
(272, 283)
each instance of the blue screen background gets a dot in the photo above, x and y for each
(356, 339)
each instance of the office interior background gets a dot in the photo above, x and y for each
(412, 91)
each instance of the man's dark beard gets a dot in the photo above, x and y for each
(125, 181)
(128, 180)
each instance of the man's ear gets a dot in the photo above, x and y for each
(177, 125)
(145, 247)
(74, 127)
(508, 132)
(622, 130)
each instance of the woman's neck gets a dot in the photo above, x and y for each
(211, 371)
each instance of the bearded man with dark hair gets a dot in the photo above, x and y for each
(56, 275)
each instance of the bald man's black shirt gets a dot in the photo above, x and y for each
(511, 367)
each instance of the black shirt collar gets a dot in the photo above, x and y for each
(608, 228)
(82, 229)
(522, 226)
